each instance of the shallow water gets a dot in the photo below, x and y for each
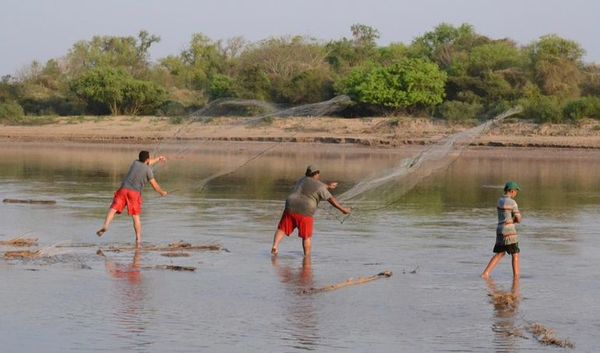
(436, 239)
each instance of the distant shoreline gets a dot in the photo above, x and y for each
(384, 132)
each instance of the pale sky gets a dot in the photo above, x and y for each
(44, 29)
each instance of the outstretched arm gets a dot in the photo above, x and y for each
(153, 161)
(335, 204)
(157, 188)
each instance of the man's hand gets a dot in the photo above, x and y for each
(332, 186)
(163, 193)
(162, 158)
(346, 210)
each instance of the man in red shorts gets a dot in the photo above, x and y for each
(300, 206)
(130, 193)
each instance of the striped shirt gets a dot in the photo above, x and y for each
(508, 213)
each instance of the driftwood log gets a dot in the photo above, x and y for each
(546, 336)
(22, 255)
(36, 202)
(177, 246)
(349, 282)
(170, 267)
(20, 242)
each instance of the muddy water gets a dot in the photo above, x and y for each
(436, 239)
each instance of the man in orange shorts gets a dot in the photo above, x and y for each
(300, 206)
(130, 193)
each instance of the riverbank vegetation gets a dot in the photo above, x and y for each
(450, 72)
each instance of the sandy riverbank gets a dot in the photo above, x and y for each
(377, 132)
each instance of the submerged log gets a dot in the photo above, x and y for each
(22, 255)
(178, 246)
(21, 242)
(170, 267)
(349, 282)
(546, 336)
(37, 202)
(175, 254)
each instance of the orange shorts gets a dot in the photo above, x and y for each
(130, 198)
(290, 221)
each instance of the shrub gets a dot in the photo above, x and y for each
(10, 112)
(586, 107)
(407, 84)
(543, 109)
(456, 111)
(222, 86)
(171, 108)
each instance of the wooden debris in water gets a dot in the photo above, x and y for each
(21, 242)
(349, 282)
(36, 202)
(505, 300)
(509, 331)
(22, 255)
(546, 336)
(175, 254)
(171, 268)
(171, 247)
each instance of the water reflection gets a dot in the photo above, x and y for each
(129, 314)
(301, 312)
(506, 306)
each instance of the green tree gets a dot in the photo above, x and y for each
(445, 43)
(556, 64)
(285, 69)
(408, 84)
(222, 86)
(113, 89)
(127, 53)
(345, 54)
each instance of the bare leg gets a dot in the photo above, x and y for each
(515, 266)
(109, 218)
(306, 246)
(137, 226)
(492, 264)
(279, 234)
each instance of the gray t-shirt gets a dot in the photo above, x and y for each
(138, 175)
(306, 195)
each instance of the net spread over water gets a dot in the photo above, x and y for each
(398, 181)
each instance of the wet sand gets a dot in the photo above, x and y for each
(376, 132)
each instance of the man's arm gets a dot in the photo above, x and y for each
(157, 188)
(517, 217)
(335, 204)
(153, 161)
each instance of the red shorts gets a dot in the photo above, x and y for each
(130, 198)
(290, 221)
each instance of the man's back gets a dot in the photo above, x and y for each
(138, 175)
(306, 195)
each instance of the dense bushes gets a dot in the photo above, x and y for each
(586, 107)
(457, 112)
(10, 112)
(406, 85)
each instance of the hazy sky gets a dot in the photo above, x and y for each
(43, 29)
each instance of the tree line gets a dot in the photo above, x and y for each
(451, 72)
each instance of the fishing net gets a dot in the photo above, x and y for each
(260, 109)
(398, 181)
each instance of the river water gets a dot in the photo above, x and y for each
(436, 239)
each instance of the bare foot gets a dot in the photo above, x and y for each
(100, 253)
(274, 251)
(485, 275)
(101, 232)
